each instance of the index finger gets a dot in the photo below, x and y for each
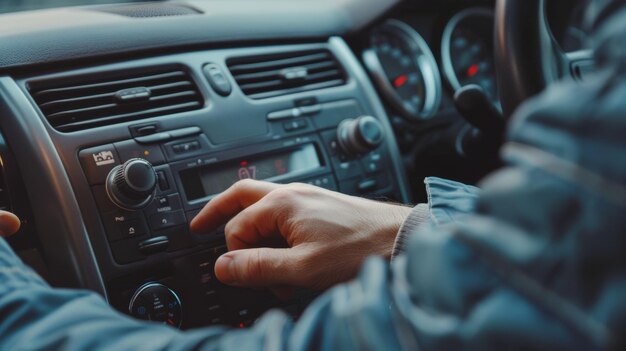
(9, 223)
(229, 203)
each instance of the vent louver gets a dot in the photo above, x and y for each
(88, 101)
(286, 73)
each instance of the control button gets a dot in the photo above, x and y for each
(185, 147)
(166, 203)
(120, 225)
(154, 245)
(131, 186)
(169, 135)
(371, 167)
(154, 138)
(98, 161)
(330, 141)
(164, 185)
(326, 182)
(132, 228)
(346, 168)
(295, 125)
(131, 149)
(373, 162)
(374, 184)
(163, 202)
(166, 220)
(144, 129)
(366, 185)
(217, 79)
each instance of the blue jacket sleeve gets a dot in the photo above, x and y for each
(441, 296)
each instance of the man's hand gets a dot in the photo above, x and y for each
(9, 224)
(297, 235)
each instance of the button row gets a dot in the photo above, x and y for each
(327, 182)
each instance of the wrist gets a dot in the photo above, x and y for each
(417, 216)
(389, 220)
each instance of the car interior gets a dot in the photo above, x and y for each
(120, 121)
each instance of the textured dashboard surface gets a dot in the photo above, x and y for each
(80, 33)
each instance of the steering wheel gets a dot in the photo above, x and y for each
(527, 56)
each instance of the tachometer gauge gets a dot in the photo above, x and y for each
(404, 69)
(467, 51)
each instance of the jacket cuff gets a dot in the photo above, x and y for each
(418, 216)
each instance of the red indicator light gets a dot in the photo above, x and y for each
(400, 81)
(241, 325)
(472, 70)
(244, 163)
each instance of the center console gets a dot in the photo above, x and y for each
(147, 143)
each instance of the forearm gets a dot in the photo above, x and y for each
(38, 317)
(35, 316)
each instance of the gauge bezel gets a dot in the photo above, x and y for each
(424, 60)
(446, 40)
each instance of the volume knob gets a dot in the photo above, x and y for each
(131, 186)
(360, 135)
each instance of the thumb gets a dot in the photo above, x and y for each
(259, 267)
(9, 223)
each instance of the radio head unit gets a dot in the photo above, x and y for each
(277, 166)
(342, 151)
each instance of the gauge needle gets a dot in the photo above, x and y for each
(472, 71)
(400, 81)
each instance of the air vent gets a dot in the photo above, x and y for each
(286, 73)
(88, 101)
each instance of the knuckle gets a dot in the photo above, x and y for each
(302, 189)
(230, 228)
(282, 195)
(243, 184)
(255, 269)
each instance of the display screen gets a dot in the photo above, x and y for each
(211, 180)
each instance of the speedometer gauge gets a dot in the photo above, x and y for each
(467, 51)
(404, 69)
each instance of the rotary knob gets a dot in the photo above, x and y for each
(157, 303)
(131, 186)
(360, 135)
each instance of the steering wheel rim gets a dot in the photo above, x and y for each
(527, 56)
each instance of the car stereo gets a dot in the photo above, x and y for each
(150, 187)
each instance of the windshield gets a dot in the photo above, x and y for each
(24, 5)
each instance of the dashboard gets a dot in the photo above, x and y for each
(119, 122)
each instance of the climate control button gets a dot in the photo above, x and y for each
(158, 303)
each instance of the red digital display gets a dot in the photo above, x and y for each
(214, 179)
